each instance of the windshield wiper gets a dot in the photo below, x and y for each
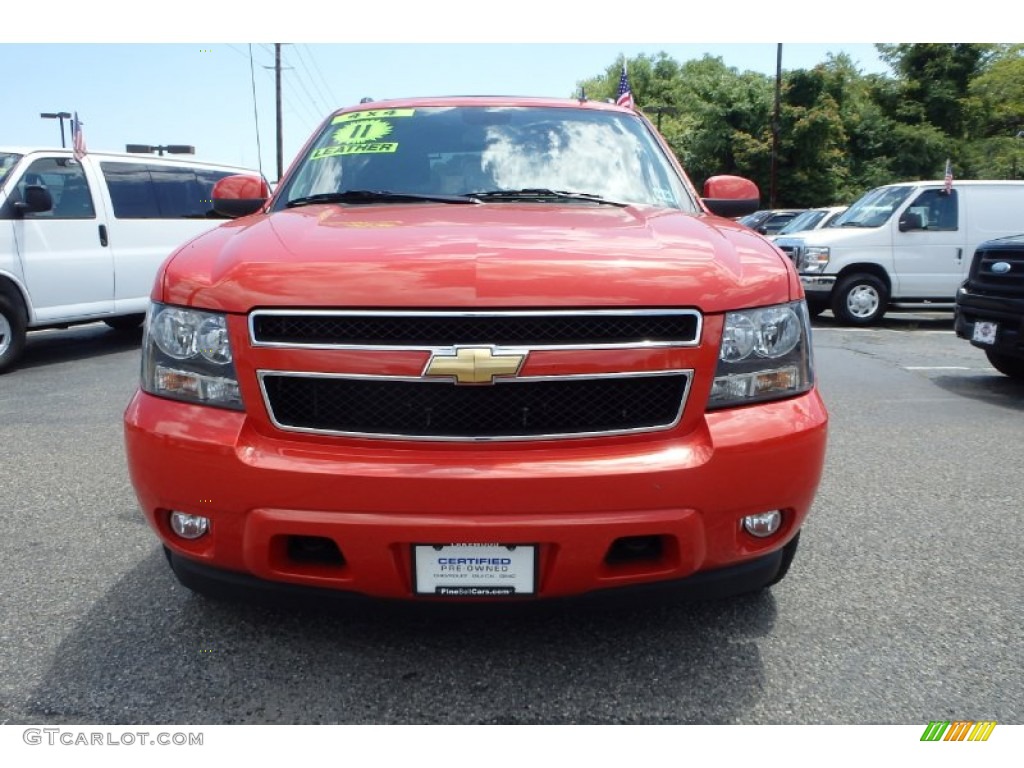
(377, 196)
(540, 193)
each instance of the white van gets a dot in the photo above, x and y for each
(81, 241)
(901, 244)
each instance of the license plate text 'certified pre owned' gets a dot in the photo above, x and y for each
(475, 570)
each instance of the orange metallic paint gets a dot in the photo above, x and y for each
(573, 498)
(690, 484)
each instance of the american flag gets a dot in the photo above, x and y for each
(625, 98)
(949, 176)
(78, 138)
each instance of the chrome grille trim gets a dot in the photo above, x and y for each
(686, 372)
(698, 322)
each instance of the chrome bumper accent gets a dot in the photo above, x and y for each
(818, 283)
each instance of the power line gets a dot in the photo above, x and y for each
(302, 85)
(312, 80)
(255, 113)
(312, 114)
(333, 101)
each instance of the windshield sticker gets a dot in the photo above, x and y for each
(366, 148)
(664, 195)
(373, 114)
(361, 131)
(359, 137)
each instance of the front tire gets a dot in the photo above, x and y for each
(12, 332)
(860, 299)
(1009, 366)
(816, 307)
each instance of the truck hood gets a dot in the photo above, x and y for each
(487, 255)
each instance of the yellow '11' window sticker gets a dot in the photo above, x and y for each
(360, 133)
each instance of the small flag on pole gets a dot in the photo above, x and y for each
(625, 98)
(78, 139)
(949, 177)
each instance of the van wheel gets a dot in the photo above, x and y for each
(859, 300)
(125, 322)
(1010, 366)
(12, 332)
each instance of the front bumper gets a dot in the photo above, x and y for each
(573, 499)
(1006, 312)
(818, 286)
(732, 580)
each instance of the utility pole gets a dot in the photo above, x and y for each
(773, 195)
(280, 131)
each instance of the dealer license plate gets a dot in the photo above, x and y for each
(475, 570)
(985, 332)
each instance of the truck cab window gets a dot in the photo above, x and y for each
(939, 210)
(67, 184)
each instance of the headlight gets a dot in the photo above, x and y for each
(814, 259)
(186, 355)
(765, 355)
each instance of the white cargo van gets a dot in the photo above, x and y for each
(81, 241)
(903, 244)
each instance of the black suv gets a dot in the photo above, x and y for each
(990, 304)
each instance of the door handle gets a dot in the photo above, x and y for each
(959, 254)
(103, 235)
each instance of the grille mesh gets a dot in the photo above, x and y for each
(439, 329)
(510, 409)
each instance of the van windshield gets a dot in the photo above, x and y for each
(497, 155)
(874, 208)
(7, 161)
(805, 220)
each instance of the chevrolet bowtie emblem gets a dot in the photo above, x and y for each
(475, 365)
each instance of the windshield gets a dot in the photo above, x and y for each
(874, 208)
(7, 161)
(545, 154)
(805, 220)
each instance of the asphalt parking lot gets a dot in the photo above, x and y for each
(903, 604)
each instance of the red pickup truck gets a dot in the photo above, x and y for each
(479, 349)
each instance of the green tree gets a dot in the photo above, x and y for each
(934, 81)
(996, 147)
(812, 162)
(842, 132)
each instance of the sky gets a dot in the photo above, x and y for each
(204, 77)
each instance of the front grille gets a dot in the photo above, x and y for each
(984, 280)
(402, 328)
(791, 248)
(515, 409)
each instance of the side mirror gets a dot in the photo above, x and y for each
(37, 200)
(235, 196)
(730, 196)
(909, 221)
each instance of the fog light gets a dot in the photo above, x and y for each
(189, 526)
(764, 524)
